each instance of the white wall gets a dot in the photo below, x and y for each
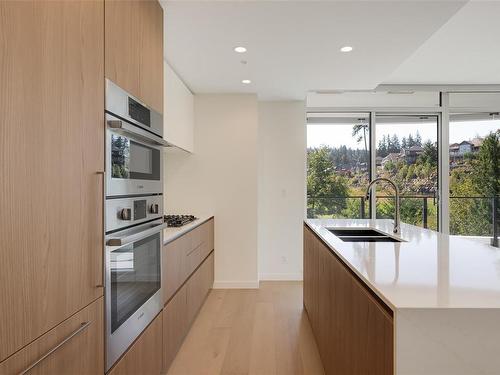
(281, 189)
(178, 110)
(220, 178)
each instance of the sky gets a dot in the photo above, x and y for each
(339, 134)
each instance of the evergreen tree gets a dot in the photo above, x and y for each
(396, 146)
(410, 142)
(418, 139)
(403, 142)
(487, 171)
(429, 155)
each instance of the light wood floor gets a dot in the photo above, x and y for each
(261, 332)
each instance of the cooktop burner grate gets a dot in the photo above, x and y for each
(178, 220)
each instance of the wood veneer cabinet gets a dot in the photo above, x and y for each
(180, 311)
(52, 148)
(76, 346)
(134, 48)
(144, 356)
(353, 329)
(183, 255)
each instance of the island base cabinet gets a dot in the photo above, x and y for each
(353, 329)
(144, 356)
(181, 310)
(75, 346)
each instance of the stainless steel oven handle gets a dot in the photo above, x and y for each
(136, 132)
(73, 334)
(125, 240)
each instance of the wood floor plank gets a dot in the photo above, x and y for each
(237, 359)
(251, 332)
(263, 356)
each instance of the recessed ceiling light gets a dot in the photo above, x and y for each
(240, 49)
(246, 81)
(346, 49)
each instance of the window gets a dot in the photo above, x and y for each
(347, 150)
(474, 172)
(407, 153)
(338, 171)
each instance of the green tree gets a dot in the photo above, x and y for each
(418, 139)
(487, 166)
(324, 185)
(429, 154)
(360, 131)
(487, 171)
(468, 216)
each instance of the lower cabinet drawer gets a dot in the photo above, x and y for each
(198, 287)
(175, 326)
(75, 346)
(181, 310)
(144, 356)
(193, 260)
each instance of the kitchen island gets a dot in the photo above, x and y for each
(427, 305)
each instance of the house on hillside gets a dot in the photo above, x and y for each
(411, 153)
(458, 150)
(393, 157)
(465, 147)
(476, 143)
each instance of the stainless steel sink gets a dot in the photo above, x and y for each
(362, 235)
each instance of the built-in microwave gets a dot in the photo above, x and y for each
(132, 110)
(133, 284)
(133, 145)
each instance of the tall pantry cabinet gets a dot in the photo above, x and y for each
(51, 200)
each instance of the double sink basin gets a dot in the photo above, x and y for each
(362, 235)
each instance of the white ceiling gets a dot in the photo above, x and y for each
(293, 47)
(466, 50)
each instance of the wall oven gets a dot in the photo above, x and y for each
(133, 284)
(133, 145)
(133, 219)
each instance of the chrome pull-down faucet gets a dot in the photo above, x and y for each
(397, 228)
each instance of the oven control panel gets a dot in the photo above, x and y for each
(124, 212)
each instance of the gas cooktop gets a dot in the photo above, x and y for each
(178, 220)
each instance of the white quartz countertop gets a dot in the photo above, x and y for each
(170, 234)
(430, 270)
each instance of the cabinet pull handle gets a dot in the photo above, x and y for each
(100, 283)
(76, 332)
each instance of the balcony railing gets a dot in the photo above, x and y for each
(469, 215)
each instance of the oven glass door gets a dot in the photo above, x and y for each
(135, 277)
(134, 160)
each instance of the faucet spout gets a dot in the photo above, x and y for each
(397, 226)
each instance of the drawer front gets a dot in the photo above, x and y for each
(173, 266)
(180, 312)
(210, 228)
(175, 326)
(193, 260)
(145, 355)
(198, 287)
(197, 236)
(75, 346)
